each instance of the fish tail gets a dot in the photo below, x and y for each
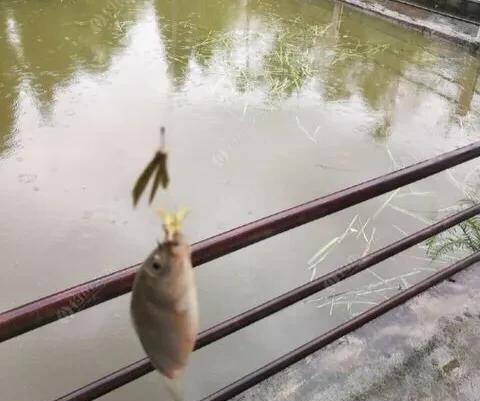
(174, 388)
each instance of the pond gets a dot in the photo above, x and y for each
(266, 104)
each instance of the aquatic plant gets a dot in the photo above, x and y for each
(156, 169)
(462, 238)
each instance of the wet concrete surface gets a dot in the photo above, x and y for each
(426, 349)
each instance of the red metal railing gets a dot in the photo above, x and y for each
(301, 352)
(140, 368)
(46, 310)
(86, 295)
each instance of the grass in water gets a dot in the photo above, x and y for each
(462, 238)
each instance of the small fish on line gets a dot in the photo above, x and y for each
(164, 305)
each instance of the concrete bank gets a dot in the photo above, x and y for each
(425, 350)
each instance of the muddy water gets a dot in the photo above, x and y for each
(266, 104)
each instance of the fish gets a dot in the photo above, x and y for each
(164, 306)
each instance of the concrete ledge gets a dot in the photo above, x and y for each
(424, 21)
(425, 350)
(463, 8)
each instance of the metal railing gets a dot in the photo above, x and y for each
(48, 309)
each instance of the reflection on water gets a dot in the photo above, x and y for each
(468, 83)
(279, 47)
(44, 44)
(9, 84)
(267, 104)
(192, 31)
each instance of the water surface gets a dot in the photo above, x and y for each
(266, 104)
